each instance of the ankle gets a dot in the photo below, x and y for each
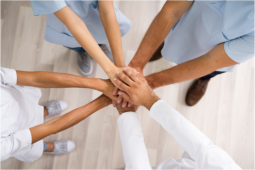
(50, 147)
(45, 110)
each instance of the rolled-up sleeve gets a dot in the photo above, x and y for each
(8, 76)
(240, 49)
(15, 144)
(47, 7)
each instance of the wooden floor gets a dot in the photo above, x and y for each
(225, 114)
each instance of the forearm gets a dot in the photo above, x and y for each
(57, 80)
(158, 30)
(196, 68)
(81, 33)
(68, 120)
(112, 30)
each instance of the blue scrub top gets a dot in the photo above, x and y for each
(56, 32)
(209, 23)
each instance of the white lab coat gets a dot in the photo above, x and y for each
(19, 112)
(200, 152)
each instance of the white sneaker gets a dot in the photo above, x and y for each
(62, 147)
(56, 106)
(107, 50)
(85, 63)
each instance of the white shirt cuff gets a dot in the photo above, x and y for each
(127, 114)
(8, 76)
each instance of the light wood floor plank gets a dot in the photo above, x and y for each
(225, 114)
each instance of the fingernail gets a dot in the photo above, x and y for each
(118, 72)
(114, 79)
(120, 94)
(125, 69)
(130, 70)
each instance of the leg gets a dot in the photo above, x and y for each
(157, 54)
(45, 110)
(198, 88)
(58, 147)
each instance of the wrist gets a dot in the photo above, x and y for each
(151, 101)
(136, 65)
(151, 82)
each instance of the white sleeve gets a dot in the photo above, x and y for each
(131, 135)
(15, 144)
(200, 148)
(8, 76)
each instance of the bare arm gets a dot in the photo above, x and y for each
(81, 33)
(158, 30)
(68, 120)
(61, 80)
(112, 30)
(201, 66)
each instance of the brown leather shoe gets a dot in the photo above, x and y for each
(157, 54)
(196, 92)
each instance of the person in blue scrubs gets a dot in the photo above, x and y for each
(86, 27)
(205, 38)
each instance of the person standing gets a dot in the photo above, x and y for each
(205, 39)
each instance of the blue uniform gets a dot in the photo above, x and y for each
(56, 32)
(209, 23)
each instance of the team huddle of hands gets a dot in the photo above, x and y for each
(132, 87)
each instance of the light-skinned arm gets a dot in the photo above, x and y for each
(68, 120)
(112, 30)
(158, 31)
(60, 80)
(81, 33)
(196, 68)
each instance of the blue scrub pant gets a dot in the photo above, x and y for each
(80, 49)
(209, 76)
(44, 146)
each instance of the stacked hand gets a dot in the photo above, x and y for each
(112, 75)
(134, 88)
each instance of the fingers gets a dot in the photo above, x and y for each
(132, 74)
(113, 103)
(115, 91)
(122, 86)
(125, 96)
(119, 99)
(124, 104)
(125, 78)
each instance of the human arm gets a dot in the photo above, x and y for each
(81, 33)
(68, 120)
(213, 60)
(62, 80)
(200, 148)
(158, 30)
(131, 135)
(112, 30)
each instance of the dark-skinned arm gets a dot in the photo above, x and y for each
(68, 120)
(60, 80)
(158, 31)
(196, 68)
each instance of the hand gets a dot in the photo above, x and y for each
(107, 88)
(135, 89)
(115, 91)
(128, 109)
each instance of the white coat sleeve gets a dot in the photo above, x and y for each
(15, 144)
(131, 135)
(200, 148)
(8, 76)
